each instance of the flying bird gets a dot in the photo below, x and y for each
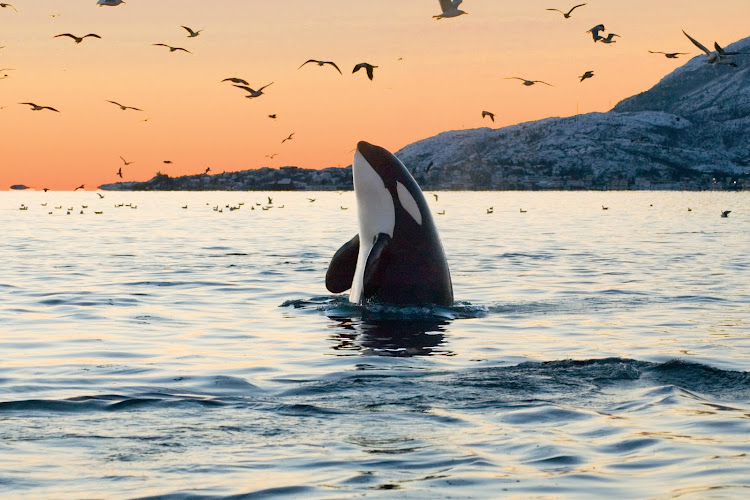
(272, 117)
(271, 156)
(449, 9)
(321, 63)
(528, 83)
(609, 38)
(82, 186)
(125, 161)
(487, 113)
(168, 162)
(252, 93)
(36, 107)
(566, 15)
(119, 172)
(288, 138)
(595, 32)
(588, 74)
(208, 169)
(191, 33)
(368, 68)
(235, 80)
(171, 49)
(77, 39)
(124, 108)
(100, 195)
(111, 3)
(669, 55)
(3, 5)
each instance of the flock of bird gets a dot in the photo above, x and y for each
(449, 9)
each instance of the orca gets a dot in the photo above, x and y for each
(396, 258)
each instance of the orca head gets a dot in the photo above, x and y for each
(386, 195)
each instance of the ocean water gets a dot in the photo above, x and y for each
(167, 349)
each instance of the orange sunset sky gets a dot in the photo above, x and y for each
(432, 76)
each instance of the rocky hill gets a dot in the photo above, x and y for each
(690, 131)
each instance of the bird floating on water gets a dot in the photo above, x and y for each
(191, 33)
(595, 32)
(725, 213)
(123, 107)
(4, 5)
(368, 68)
(77, 39)
(487, 113)
(449, 9)
(111, 3)
(252, 93)
(669, 55)
(566, 15)
(526, 82)
(36, 107)
(321, 63)
(171, 49)
(588, 74)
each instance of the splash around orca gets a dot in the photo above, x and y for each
(396, 257)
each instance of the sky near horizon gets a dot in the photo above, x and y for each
(432, 76)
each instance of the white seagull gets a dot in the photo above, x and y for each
(449, 8)
(714, 57)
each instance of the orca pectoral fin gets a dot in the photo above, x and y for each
(343, 264)
(376, 261)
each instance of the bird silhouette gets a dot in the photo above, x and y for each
(77, 39)
(36, 107)
(449, 9)
(528, 83)
(669, 55)
(82, 186)
(235, 80)
(368, 68)
(595, 32)
(125, 161)
(609, 38)
(252, 93)
(4, 5)
(191, 33)
(123, 107)
(588, 74)
(289, 138)
(321, 63)
(725, 213)
(119, 172)
(566, 15)
(171, 49)
(487, 113)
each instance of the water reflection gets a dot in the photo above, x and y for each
(377, 336)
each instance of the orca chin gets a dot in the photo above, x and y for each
(396, 257)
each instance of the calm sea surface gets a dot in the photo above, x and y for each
(173, 352)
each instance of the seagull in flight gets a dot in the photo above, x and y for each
(119, 172)
(3, 5)
(595, 32)
(82, 186)
(609, 39)
(669, 55)
(191, 33)
(487, 113)
(566, 15)
(273, 116)
(36, 107)
(125, 161)
(288, 138)
(528, 83)
(321, 63)
(77, 39)
(368, 68)
(171, 49)
(588, 74)
(271, 156)
(252, 93)
(124, 108)
(111, 3)
(235, 80)
(449, 8)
